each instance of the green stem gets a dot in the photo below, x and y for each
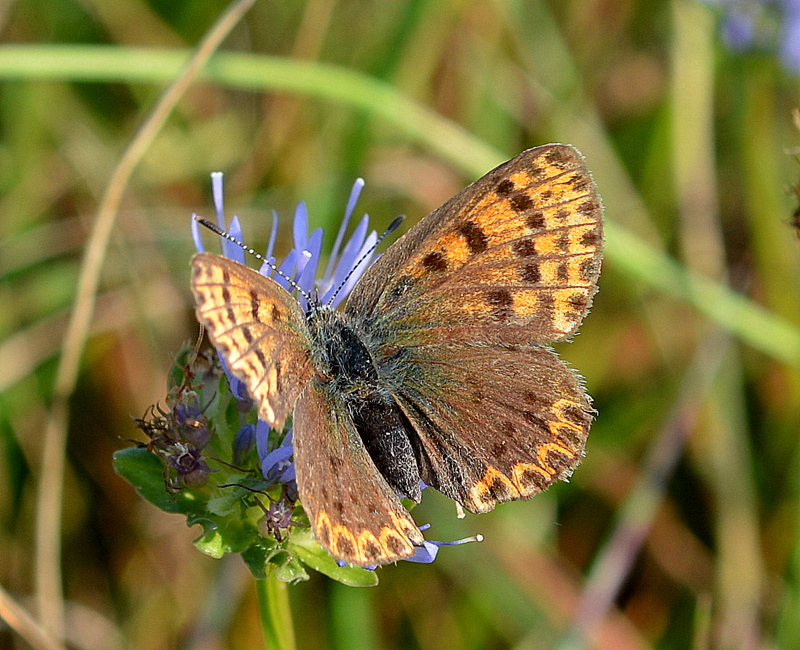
(275, 613)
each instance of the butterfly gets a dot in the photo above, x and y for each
(437, 369)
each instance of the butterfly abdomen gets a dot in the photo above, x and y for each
(351, 379)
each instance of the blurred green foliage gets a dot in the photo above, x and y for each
(684, 516)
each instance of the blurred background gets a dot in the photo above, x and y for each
(681, 529)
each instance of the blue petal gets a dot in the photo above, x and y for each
(272, 235)
(262, 439)
(198, 240)
(355, 192)
(234, 252)
(300, 226)
(424, 554)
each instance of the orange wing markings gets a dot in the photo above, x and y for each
(259, 327)
(492, 232)
(363, 547)
(530, 472)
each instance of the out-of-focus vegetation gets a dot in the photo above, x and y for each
(682, 526)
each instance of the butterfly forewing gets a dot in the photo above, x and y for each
(519, 248)
(354, 513)
(259, 328)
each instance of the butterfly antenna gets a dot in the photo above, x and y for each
(216, 229)
(392, 227)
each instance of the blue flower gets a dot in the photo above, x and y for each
(426, 553)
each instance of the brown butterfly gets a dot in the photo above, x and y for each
(437, 369)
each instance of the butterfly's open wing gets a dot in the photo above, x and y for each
(354, 513)
(260, 329)
(456, 313)
(519, 249)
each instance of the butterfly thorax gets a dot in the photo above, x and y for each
(338, 351)
(347, 373)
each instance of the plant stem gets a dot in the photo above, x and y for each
(275, 613)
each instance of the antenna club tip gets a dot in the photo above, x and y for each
(395, 224)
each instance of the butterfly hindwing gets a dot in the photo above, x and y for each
(259, 328)
(495, 424)
(354, 514)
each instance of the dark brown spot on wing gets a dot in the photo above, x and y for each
(557, 158)
(535, 221)
(590, 238)
(530, 476)
(520, 202)
(530, 273)
(248, 335)
(226, 295)
(562, 243)
(562, 273)
(505, 187)
(474, 237)
(278, 376)
(524, 248)
(500, 298)
(499, 448)
(579, 302)
(501, 302)
(573, 413)
(254, 303)
(344, 547)
(371, 550)
(396, 545)
(434, 261)
(589, 208)
(589, 269)
(579, 182)
(501, 490)
(546, 301)
(533, 398)
(536, 420)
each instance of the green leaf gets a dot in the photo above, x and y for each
(212, 543)
(231, 535)
(270, 557)
(145, 472)
(292, 571)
